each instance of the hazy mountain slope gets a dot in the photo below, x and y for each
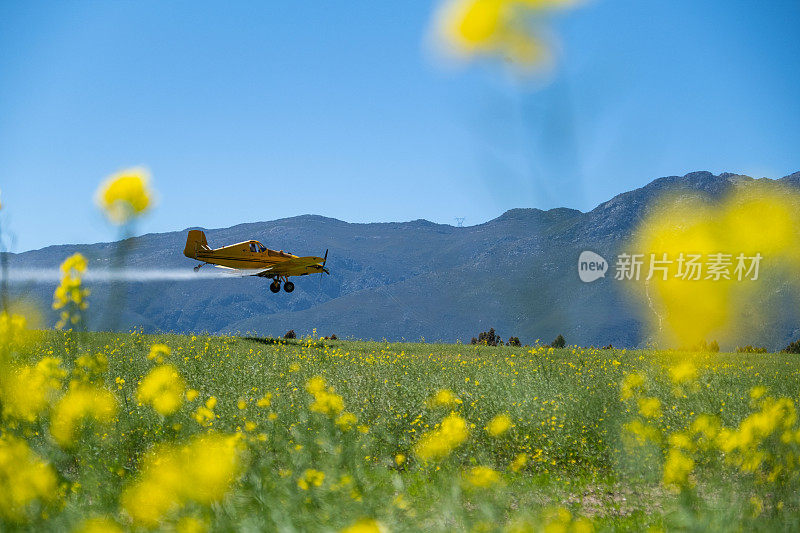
(415, 279)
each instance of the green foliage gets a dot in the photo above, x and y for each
(564, 407)
(793, 347)
(559, 342)
(750, 349)
(488, 338)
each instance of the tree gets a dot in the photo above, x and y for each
(792, 348)
(489, 338)
(513, 341)
(559, 342)
(290, 334)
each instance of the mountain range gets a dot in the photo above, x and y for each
(403, 280)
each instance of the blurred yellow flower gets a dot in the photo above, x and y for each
(13, 333)
(99, 524)
(519, 462)
(163, 388)
(70, 296)
(190, 524)
(495, 27)
(650, 407)
(311, 478)
(677, 468)
(631, 384)
(757, 392)
(158, 352)
(81, 402)
(482, 477)
(683, 373)
(499, 425)
(24, 478)
(365, 525)
(265, 401)
(125, 195)
(444, 398)
(201, 471)
(440, 442)
(346, 421)
(326, 401)
(26, 391)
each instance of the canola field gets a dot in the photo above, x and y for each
(132, 432)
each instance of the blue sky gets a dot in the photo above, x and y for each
(262, 110)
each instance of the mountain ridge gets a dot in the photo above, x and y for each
(403, 279)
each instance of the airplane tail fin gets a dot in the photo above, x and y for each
(195, 241)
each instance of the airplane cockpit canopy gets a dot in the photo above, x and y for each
(256, 246)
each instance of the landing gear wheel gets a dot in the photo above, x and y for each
(288, 286)
(197, 268)
(275, 286)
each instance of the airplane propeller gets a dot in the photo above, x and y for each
(324, 260)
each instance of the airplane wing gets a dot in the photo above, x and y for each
(294, 267)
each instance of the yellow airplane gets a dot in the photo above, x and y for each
(252, 255)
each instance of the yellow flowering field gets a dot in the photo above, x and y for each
(108, 432)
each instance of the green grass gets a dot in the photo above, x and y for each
(565, 405)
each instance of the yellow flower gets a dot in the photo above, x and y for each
(482, 477)
(681, 440)
(758, 392)
(80, 402)
(684, 372)
(100, 524)
(677, 468)
(158, 352)
(311, 478)
(125, 195)
(365, 525)
(163, 388)
(26, 391)
(190, 524)
(632, 384)
(191, 395)
(204, 416)
(24, 477)
(650, 407)
(326, 401)
(641, 432)
(399, 459)
(70, 296)
(469, 27)
(519, 462)
(265, 401)
(444, 398)
(201, 471)
(241, 404)
(499, 425)
(440, 442)
(14, 333)
(346, 421)
(90, 368)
